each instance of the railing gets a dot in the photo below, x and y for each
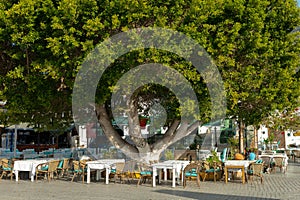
(36, 147)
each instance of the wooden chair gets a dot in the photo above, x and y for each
(7, 168)
(117, 171)
(63, 167)
(145, 172)
(78, 169)
(267, 163)
(192, 170)
(47, 169)
(256, 169)
(129, 171)
(278, 162)
(296, 154)
(208, 169)
(290, 154)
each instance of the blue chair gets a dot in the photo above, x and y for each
(223, 155)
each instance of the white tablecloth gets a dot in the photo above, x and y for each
(27, 165)
(244, 163)
(271, 156)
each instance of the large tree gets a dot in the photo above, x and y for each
(45, 42)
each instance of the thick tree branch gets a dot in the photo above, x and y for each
(112, 134)
(174, 135)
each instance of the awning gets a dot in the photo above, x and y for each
(297, 133)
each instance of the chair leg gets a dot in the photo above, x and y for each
(73, 177)
(198, 180)
(138, 183)
(204, 177)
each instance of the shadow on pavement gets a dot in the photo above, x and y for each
(200, 195)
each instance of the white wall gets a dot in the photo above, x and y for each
(262, 134)
(291, 139)
(82, 136)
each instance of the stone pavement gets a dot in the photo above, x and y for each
(275, 186)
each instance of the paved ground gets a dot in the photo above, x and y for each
(276, 186)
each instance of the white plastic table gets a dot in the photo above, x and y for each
(176, 165)
(100, 165)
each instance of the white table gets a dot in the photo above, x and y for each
(176, 165)
(27, 165)
(234, 165)
(100, 165)
(271, 156)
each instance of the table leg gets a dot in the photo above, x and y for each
(173, 177)
(159, 176)
(243, 175)
(88, 176)
(17, 175)
(226, 174)
(106, 175)
(153, 177)
(31, 176)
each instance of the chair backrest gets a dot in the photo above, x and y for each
(224, 155)
(257, 168)
(195, 167)
(206, 165)
(5, 163)
(265, 159)
(130, 166)
(296, 153)
(76, 165)
(66, 163)
(144, 167)
(53, 165)
(252, 156)
(278, 161)
(119, 167)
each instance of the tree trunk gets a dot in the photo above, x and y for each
(241, 137)
(141, 150)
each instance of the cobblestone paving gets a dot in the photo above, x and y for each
(276, 186)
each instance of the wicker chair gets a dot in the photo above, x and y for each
(129, 171)
(192, 170)
(215, 168)
(117, 171)
(63, 167)
(78, 169)
(7, 168)
(145, 172)
(267, 163)
(256, 169)
(278, 162)
(296, 154)
(47, 169)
